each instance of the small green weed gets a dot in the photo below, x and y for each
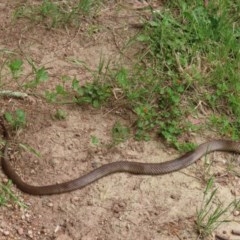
(210, 214)
(40, 76)
(56, 14)
(59, 93)
(146, 121)
(95, 93)
(91, 93)
(95, 140)
(17, 119)
(15, 67)
(120, 133)
(6, 196)
(60, 114)
(30, 149)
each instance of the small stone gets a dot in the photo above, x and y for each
(27, 215)
(57, 229)
(20, 231)
(50, 204)
(75, 199)
(236, 213)
(236, 232)
(6, 233)
(30, 233)
(5, 180)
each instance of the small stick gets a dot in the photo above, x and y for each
(236, 232)
(222, 237)
(8, 93)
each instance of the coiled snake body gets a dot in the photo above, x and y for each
(121, 166)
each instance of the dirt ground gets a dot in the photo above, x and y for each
(120, 206)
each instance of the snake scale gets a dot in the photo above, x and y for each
(110, 168)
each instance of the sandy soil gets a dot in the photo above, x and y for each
(120, 206)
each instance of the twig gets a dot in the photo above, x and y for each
(236, 232)
(9, 93)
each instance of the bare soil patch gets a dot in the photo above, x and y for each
(120, 206)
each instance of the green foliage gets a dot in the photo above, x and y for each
(120, 133)
(210, 213)
(91, 93)
(56, 13)
(17, 119)
(146, 121)
(7, 195)
(40, 76)
(15, 67)
(59, 92)
(94, 140)
(31, 79)
(194, 54)
(30, 149)
(60, 114)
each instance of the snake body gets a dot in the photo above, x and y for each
(120, 166)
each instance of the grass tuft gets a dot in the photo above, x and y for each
(55, 14)
(210, 214)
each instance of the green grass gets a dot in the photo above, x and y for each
(212, 212)
(94, 140)
(16, 119)
(194, 56)
(190, 56)
(188, 68)
(120, 133)
(8, 196)
(13, 69)
(54, 14)
(60, 114)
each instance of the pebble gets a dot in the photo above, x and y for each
(5, 180)
(236, 232)
(57, 229)
(75, 200)
(236, 213)
(50, 204)
(6, 233)
(30, 233)
(20, 231)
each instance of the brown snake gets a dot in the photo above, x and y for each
(121, 166)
